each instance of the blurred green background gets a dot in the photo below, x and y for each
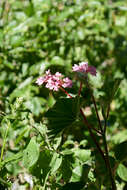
(39, 34)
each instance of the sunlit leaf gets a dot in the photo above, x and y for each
(31, 154)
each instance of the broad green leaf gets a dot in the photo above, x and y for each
(31, 154)
(66, 167)
(62, 114)
(120, 137)
(122, 172)
(121, 151)
(42, 168)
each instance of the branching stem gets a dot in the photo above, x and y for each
(99, 121)
(107, 161)
(92, 135)
(103, 133)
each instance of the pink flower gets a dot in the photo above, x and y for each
(54, 82)
(67, 83)
(40, 80)
(84, 68)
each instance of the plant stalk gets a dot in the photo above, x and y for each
(107, 161)
(92, 135)
(108, 164)
(66, 92)
(83, 113)
(106, 119)
(79, 92)
(99, 121)
(105, 157)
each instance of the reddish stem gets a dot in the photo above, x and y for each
(88, 126)
(106, 158)
(106, 119)
(92, 135)
(79, 92)
(97, 112)
(66, 92)
(99, 132)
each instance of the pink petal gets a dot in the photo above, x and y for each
(76, 67)
(40, 81)
(67, 83)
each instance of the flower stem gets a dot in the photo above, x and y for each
(107, 153)
(89, 129)
(99, 121)
(105, 125)
(106, 156)
(92, 135)
(103, 133)
(107, 161)
(66, 92)
(108, 164)
(79, 92)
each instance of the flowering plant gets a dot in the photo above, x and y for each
(65, 111)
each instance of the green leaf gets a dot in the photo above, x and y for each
(66, 167)
(14, 157)
(67, 152)
(55, 162)
(57, 141)
(77, 173)
(62, 114)
(120, 137)
(35, 105)
(121, 151)
(73, 186)
(83, 143)
(42, 168)
(21, 135)
(96, 83)
(31, 154)
(83, 155)
(110, 89)
(122, 172)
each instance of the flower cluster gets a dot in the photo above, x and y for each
(84, 68)
(54, 82)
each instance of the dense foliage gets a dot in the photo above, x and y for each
(41, 146)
